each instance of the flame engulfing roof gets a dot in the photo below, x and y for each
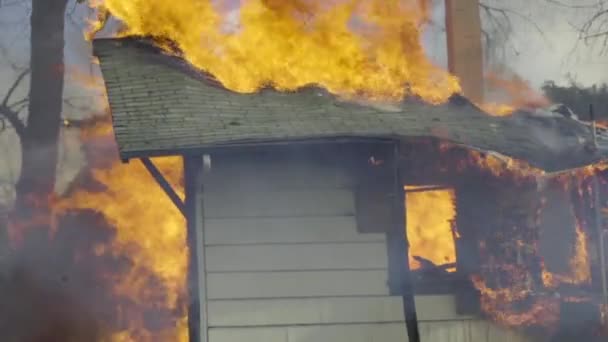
(162, 106)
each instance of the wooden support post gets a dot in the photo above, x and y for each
(192, 209)
(164, 184)
(398, 235)
(197, 330)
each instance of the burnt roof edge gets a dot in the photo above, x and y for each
(160, 56)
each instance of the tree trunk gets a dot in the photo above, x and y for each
(40, 142)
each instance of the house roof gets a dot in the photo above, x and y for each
(162, 106)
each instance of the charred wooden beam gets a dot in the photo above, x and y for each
(426, 188)
(164, 184)
(427, 264)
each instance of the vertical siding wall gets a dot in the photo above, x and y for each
(284, 263)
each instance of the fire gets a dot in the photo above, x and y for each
(355, 48)
(498, 304)
(510, 93)
(579, 263)
(497, 109)
(429, 217)
(154, 242)
(503, 166)
(580, 267)
(497, 165)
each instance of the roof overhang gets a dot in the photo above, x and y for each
(162, 106)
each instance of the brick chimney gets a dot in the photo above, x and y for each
(465, 56)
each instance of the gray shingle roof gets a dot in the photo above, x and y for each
(162, 106)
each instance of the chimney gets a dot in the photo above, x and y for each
(465, 55)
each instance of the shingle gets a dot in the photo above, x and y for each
(161, 105)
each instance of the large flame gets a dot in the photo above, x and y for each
(430, 214)
(353, 48)
(150, 232)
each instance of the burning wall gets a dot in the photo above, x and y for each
(503, 218)
(104, 223)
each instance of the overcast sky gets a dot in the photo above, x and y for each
(536, 56)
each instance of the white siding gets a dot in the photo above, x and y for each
(298, 257)
(268, 230)
(271, 175)
(296, 284)
(280, 203)
(438, 331)
(285, 263)
(323, 311)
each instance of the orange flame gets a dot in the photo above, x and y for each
(497, 109)
(159, 235)
(510, 94)
(502, 166)
(497, 303)
(580, 265)
(353, 48)
(429, 226)
(495, 164)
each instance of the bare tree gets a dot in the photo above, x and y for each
(500, 20)
(595, 28)
(39, 132)
(10, 116)
(11, 110)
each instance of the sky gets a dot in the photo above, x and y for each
(553, 55)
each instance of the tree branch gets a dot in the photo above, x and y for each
(16, 104)
(14, 86)
(596, 26)
(10, 112)
(506, 13)
(13, 118)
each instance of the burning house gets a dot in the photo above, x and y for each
(303, 209)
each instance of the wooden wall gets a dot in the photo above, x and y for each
(283, 261)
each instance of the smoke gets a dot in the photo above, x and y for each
(64, 280)
(60, 286)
